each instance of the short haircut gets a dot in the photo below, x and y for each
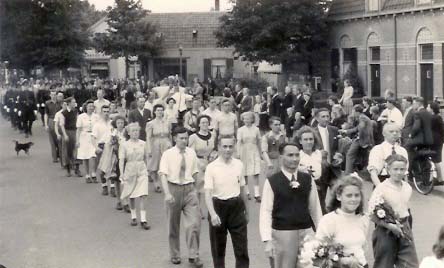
(334, 99)
(367, 100)
(358, 108)
(395, 158)
(274, 118)
(391, 100)
(68, 100)
(284, 145)
(104, 107)
(225, 100)
(408, 99)
(133, 125)
(318, 111)
(158, 106)
(390, 125)
(88, 102)
(226, 137)
(170, 99)
(435, 107)
(179, 130)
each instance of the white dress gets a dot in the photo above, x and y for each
(135, 174)
(432, 262)
(86, 148)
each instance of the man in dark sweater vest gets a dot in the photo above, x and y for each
(69, 128)
(290, 209)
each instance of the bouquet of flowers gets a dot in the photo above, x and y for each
(381, 212)
(322, 253)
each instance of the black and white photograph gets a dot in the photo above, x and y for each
(221, 133)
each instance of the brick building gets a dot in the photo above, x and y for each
(188, 38)
(393, 44)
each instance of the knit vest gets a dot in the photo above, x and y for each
(70, 119)
(290, 206)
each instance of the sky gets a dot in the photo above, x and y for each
(170, 5)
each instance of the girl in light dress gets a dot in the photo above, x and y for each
(437, 260)
(248, 148)
(109, 162)
(158, 136)
(346, 221)
(171, 113)
(390, 247)
(86, 150)
(134, 174)
(257, 109)
(203, 144)
(346, 99)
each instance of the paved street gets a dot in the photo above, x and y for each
(50, 221)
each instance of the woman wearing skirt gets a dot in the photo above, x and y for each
(134, 174)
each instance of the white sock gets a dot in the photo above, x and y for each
(248, 190)
(104, 184)
(93, 174)
(133, 214)
(142, 215)
(112, 185)
(256, 191)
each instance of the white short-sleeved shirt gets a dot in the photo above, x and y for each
(102, 131)
(224, 179)
(380, 153)
(170, 165)
(314, 161)
(397, 198)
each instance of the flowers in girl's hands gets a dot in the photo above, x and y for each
(381, 212)
(322, 253)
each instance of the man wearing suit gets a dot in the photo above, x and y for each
(421, 134)
(246, 104)
(276, 104)
(407, 103)
(141, 116)
(238, 95)
(327, 133)
(29, 108)
(289, 209)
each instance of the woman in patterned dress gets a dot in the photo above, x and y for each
(134, 175)
(158, 136)
(248, 148)
(203, 144)
(86, 150)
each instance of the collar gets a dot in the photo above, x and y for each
(321, 127)
(178, 150)
(288, 174)
(205, 138)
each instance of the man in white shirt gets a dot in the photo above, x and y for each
(212, 112)
(289, 209)
(101, 134)
(100, 101)
(379, 153)
(181, 98)
(226, 199)
(391, 114)
(178, 170)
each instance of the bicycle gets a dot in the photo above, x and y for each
(423, 171)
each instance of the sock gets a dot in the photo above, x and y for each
(112, 185)
(133, 214)
(256, 191)
(248, 190)
(103, 184)
(142, 215)
(93, 174)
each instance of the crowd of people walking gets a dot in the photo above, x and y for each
(205, 153)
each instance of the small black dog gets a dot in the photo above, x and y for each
(22, 146)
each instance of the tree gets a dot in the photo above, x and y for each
(276, 31)
(129, 33)
(43, 33)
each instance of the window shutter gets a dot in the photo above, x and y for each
(207, 69)
(230, 68)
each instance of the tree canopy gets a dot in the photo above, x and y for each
(277, 31)
(129, 33)
(51, 34)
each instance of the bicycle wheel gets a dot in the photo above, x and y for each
(423, 176)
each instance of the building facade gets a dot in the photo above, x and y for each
(189, 47)
(393, 44)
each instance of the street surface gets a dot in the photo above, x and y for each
(51, 221)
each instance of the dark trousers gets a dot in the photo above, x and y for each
(27, 126)
(232, 216)
(322, 193)
(53, 140)
(70, 147)
(390, 251)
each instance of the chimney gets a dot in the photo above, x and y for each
(217, 5)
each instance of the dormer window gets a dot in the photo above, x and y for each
(373, 5)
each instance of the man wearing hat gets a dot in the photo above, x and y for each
(28, 108)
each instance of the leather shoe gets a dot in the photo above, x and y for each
(176, 260)
(133, 222)
(105, 190)
(126, 209)
(145, 225)
(94, 179)
(196, 262)
(119, 206)
(112, 192)
(88, 180)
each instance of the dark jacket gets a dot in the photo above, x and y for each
(276, 105)
(421, 134)
(135, 116)
(246, 104)
(332, 140)
(408, 125)
(437, 130)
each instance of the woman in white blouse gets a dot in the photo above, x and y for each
(346, 221)
(437, 260)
